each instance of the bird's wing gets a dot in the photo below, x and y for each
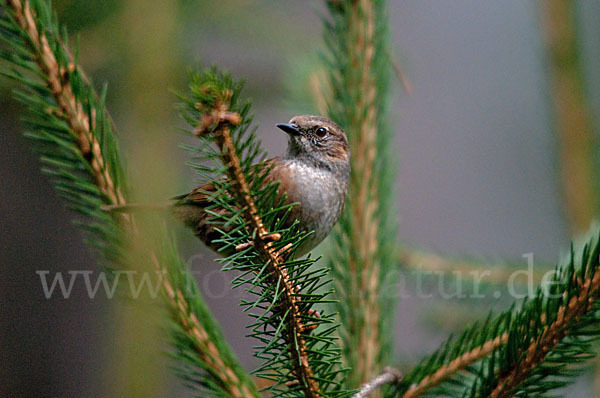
(201, 195)
(191, 207)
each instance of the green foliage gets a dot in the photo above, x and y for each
(358, 67)
(556, 328)
(53, 135)
(206, 374)
(529, 350)
(60, 99)
(273, 325)
(96, 12)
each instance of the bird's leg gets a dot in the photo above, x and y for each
(309, 328)
(311, 312)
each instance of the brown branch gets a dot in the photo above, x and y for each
(263, 241)
(389, 376)
(363, 265)
(72, 111)
(203, 344)
(572, 113)
(552, 334)
(454, 366)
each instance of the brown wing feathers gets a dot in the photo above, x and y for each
(190, 208)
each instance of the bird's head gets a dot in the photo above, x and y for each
(317, 139)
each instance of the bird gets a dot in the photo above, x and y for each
(313, 173)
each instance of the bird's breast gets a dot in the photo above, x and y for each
(321, 196)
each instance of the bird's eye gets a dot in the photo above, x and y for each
(321, 132)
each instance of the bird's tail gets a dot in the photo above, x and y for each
(135, 207)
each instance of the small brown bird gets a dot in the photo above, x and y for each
(314, 172)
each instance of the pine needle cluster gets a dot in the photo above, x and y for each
(358, 66)
(69, 127)
(67, 122)
(529, 350)
(296, 338)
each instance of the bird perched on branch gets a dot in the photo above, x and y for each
(314, 173)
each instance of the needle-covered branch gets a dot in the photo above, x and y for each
(72, 131)
(69, 108)
(530, 350)
(299, 357)
(223, 119)
(359, 68)
(456, 365)
(389, 376)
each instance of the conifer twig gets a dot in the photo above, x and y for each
(389, 376)
(357, 96)
(366, 203)
(205, 347)
(223, 119)
(456, 365)
(553, 333)
(71, 108)
(571, 113)
(525, 350)
(82, 124)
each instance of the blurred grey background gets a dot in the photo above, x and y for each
(475, 142)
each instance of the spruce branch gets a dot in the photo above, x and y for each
(447, 366)
(299, 356)
(74, 135)
(530, 350)
(456, 365)
(359, 68)
(572, 113)
(389, 376)
(263, 241)
(552, 334)
(197, 337)
(69, 108)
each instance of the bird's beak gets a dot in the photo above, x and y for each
(290, 128)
